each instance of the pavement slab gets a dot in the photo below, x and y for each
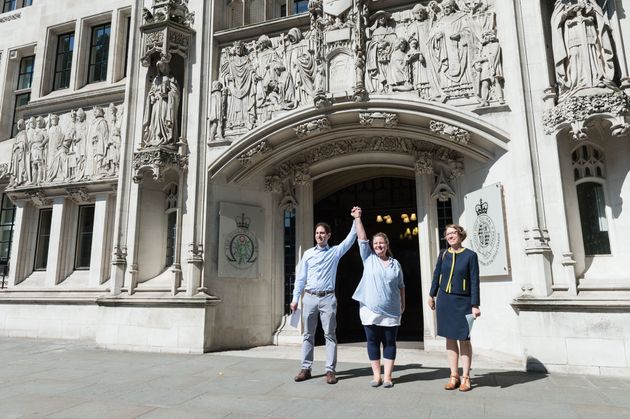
(68, 379)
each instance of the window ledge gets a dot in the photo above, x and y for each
(575, 304)
(62, 100)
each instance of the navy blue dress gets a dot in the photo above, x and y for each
(456, 285)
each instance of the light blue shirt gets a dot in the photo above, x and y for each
(317, 270)
(379, 289)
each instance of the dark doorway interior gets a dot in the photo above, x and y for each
(385, 197)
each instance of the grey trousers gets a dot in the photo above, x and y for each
(326, 308)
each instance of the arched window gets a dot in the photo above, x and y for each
(589, 172)
(588, 161)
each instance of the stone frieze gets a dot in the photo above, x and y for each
(76, 146)
(444, 51)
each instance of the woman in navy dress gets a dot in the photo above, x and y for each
(456, 286)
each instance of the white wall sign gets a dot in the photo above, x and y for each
(485, 222)
(241, 233)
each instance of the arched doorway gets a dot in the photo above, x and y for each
(384, 201)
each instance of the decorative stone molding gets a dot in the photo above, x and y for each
(427, 155)
(14, 16)
(378, 119)
(442, 191)
(79, 195)
(38, 197)
(424, 163)
(261, 148)
(119, 255)
(455, 134)
(157, 160)
(536, 241)
(577, 112)
(312, 127)
(273, 183)
(195, 252)
(4, 172)
(457, 168)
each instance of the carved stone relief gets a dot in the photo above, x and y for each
(312, 127)
(457, 135)
(378, 119)
(445, 51)
(79, 195)
(260, 148)
(76, 146)
(442, 190)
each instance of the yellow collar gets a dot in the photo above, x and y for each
(450, 250)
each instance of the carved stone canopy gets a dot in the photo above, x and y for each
(166, 31)
(157, 160)
(579, 113)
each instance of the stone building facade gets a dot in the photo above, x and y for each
(163, 162)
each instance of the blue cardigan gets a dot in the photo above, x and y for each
(379, 289)
(457, 273)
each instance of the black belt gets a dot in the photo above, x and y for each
(319, 293)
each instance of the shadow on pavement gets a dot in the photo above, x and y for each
(505, 379)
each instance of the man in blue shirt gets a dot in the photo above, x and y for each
(316, 276)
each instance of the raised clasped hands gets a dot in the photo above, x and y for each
(356, 212)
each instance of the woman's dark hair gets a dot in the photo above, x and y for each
(460, 231)
(388, 252)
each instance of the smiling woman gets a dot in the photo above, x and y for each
(381, 294)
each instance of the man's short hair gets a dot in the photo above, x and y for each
(326, 226)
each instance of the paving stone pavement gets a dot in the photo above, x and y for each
(68, 379)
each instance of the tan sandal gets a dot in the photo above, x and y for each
(465, 385)
(453, 383)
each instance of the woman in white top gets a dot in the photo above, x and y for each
(381, 294)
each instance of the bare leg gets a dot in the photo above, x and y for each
(389, 369)
(452, 350)
(376, 370)
(466, 351)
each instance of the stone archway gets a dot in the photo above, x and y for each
(428, 142)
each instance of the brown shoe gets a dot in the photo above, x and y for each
(303, 375)
(453, 383)
(330, 377)
(465, 385)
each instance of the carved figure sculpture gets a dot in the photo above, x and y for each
(38, 144)
(301, 66)
(265, 58)
(582, 46)
(20, 157)
(490, 69)
(238, 73)
(160, 120)
(79, 145)
(216, 111)
(57, 153)
(98, 138)
(378, 52)
(112, 149)
(399, 74)
(451, 42)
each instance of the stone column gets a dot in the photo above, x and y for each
(100, 240)
(426, 236)
(55, 252)
(19, 266)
